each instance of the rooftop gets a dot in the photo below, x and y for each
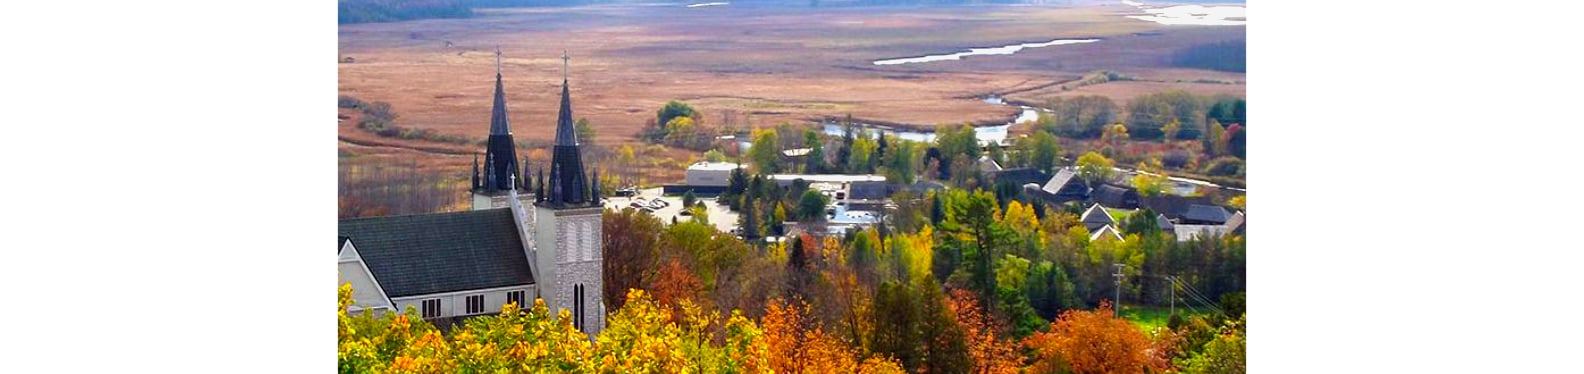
(705, 165)
(443, 252)
(834, 178)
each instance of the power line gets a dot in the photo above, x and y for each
(1196, 296)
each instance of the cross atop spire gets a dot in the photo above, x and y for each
(497, 60)
(566, 62)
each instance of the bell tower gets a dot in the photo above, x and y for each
(569, 220)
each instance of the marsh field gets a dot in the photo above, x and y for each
(745, 65)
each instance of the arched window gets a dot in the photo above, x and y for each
(577, 306)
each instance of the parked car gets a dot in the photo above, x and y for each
(627, 192)
(661, 203)
(637, 205)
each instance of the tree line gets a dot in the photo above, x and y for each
(364, 11)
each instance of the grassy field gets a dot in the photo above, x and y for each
(740, 66)
(1119, 214)
(1148, 318)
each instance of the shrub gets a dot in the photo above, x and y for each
(345, 101)
(1176, 159)
(1225, 166)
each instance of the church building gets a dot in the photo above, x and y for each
(526, 237)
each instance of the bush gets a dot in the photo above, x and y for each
(1225, 166)
(1176, 159)
(345, 101)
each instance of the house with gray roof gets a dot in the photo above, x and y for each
(1115, 196)
(1106, 232)
(1096, 217)
(1200, 214)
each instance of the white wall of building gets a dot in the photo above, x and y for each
(366, 293)
(454, 304)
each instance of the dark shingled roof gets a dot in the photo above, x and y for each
(1020, 176)
(444, 252)
(340, 243)
(1173, 206)
(1096, 217)
(1205, 214)
(1116, 196)
(867, 191)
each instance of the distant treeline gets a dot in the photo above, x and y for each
(1224, 56)
(362, 11)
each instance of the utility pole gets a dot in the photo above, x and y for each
(1172, 282)
(1116, 310)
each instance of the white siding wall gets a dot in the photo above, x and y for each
(366, 293)
(454, 304)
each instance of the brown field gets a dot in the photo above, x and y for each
(741, 65)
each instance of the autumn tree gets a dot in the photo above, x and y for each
(862, 159)
(1150, 179)
(673, 109)
(522, 341)
(1094, 342)
(1170, 130)
(989, 351)
(766, 151)
(1094, 168)
(631, 252)
(1226, 353)
(1214, 139)
(714, 155)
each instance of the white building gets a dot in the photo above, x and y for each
(714, 174)
(523, 240)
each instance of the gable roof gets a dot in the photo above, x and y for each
(341, 243)
(1097, 214)
(1164, 223)
(444, 252)
(1211, 214)
(1020, 176)
(1235, 222)
(988, 165)
(1065, 182)
(1116, 196)
(1106, 231)
(1173, 206)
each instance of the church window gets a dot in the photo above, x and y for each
(517, 297)
(431, 308)
(577, 305)
(475, 304)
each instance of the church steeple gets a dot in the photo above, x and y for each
(500, 160)
(569, 185)
(566, 132)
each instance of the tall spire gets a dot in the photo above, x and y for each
(569, 186)
(500, 159)
(566, 133)
(498, 121)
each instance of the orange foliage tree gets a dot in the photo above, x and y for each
(1095, 342)
(798, 345)
(989, 350)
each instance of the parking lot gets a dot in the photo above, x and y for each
(719, 215)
